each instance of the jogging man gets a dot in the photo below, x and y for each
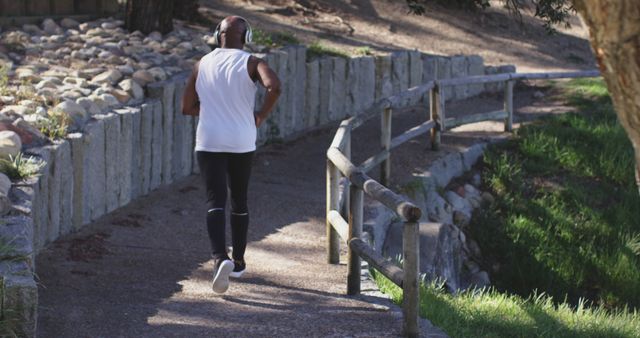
(221, 90)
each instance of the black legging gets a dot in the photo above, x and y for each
(215, 169)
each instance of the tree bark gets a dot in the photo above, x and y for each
(149, 15)
(614, 27)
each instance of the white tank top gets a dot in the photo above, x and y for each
(227, 100)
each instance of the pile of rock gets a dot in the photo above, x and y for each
(84, 69)
(446, 252)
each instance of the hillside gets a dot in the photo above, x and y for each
(497, 36)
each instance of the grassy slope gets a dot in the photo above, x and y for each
(565, 227)
(567, 220)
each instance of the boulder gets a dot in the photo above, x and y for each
(121, 95)
(143, 77)
(75, 111)
(133, 88)
(51, 27)
(69, 23)
(89, 105)
(110, 76)
(441, 251)
(5, 202)
(158, 73)
(10, 144)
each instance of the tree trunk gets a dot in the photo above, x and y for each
(149, 15)
(614, 27)
(186, 10)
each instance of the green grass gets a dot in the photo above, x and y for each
(562, 240)
(566, 219)
(55, 125)
(489, 313)
(318, 50)
(19, 167)
(365, 50)
(274, 39)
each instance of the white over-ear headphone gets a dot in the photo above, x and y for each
(246, 38)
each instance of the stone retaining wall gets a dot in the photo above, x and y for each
(131, 151)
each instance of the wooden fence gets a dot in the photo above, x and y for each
(29, 11)
(348, 204)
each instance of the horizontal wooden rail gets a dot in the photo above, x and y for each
(458, 121)
(411, 133)
(373, 161)
(409, 94)
(477, 79)
(387, 268)
(555, 75)
(405, 209)
(416, 131)
(338, 223)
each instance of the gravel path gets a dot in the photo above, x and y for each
(144, 270)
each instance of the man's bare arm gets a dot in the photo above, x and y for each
(190, 99)
(270, 81)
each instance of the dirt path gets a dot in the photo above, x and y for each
(144, 270)
(382, 25)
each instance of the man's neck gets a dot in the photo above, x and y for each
(232, 46)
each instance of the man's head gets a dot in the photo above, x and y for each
(233, 32)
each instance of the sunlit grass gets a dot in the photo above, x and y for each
(489, 313)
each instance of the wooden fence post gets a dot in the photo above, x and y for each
(508, 105)
(347, 154)
(410, 286)
(436, 115)
(355, 231)
(385, 141)
(333, 240)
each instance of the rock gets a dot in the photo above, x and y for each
(133, 88)
(5, 202)
(440, 254)
(32, 29)
(76, 81)
(48, 83)
(27, 74)
(69, 23)
(90, 72)
(111, 76)
(488, 198)
(51, 27)
(143, 77)
(476, 180)
(29, 135)
(458, 203)
(75, 111)
(158, 73)
(89, 105)
(186, 45)
(155, 36)
(10, 144)
(121, 95)
(474, 249)
(472, 266)
(7, 100)
(15, 111)
(109, 100)
(126, 70)
(438, 210)
(461, 219)
(111, 24)
(480, 279)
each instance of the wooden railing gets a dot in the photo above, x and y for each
(347, 225)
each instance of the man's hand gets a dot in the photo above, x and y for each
(259, 120)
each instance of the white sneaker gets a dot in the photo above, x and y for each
(239, 267)
(221, 276)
